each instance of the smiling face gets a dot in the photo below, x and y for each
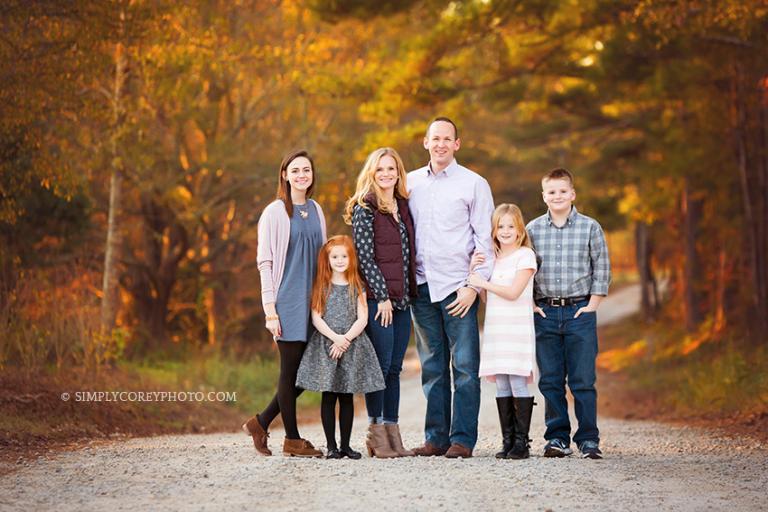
(506, 231)
(386, 173)
(299, 174)
(339, 259)
(558, 195)
(441, 142)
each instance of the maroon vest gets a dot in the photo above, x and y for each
(388, 252)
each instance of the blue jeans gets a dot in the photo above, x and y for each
(566, 349)
(448, 342)
(390, 344)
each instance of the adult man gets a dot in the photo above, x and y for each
(451, 207)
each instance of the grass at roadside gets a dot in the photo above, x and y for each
(659, 371)
(34, 417)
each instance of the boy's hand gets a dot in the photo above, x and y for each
(594, 302)
(465, 297)
(537, 309)
(586, 309)
(478, 258)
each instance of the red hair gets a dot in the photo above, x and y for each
(322, 287)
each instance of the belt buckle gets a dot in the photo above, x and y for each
(557, 302)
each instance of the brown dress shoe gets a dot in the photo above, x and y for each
(458, 451)
(300, 448)
(429, 450)
(393, 433)
(253, 428)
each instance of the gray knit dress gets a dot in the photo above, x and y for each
(358, 369)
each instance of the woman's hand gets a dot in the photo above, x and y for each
(478, 258)
(273, 326)
(477, 281)
(384, 313)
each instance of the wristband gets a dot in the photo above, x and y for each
(269, 318)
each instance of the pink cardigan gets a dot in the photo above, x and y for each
(274, 232)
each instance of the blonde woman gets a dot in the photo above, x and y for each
(384, 240)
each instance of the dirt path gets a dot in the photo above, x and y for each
(647, 466)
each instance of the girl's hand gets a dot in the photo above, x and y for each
(341, 341)
(274, 327)
(476, 280)
(478, 258)
(335, 352)
(384, 313)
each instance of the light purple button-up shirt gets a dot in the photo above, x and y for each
(451, 212)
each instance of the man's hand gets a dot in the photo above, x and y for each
(537, 309)
(465, 297)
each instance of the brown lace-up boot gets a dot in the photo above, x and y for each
(300, 448)
(253, 428)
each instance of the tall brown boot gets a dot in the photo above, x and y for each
(300, 448)
(378, 444)
(395, 441)
(253, 428)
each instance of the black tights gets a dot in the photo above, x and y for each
(284, 401)
(328, 417)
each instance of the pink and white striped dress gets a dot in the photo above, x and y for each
(509, 339)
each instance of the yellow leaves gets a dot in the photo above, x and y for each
(617, 359)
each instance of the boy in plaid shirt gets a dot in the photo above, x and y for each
(573, 277)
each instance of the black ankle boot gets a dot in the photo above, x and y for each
(506, 407)
(523, 412)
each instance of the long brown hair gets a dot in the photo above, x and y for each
(366, 183)
(523, 240)
(283, 187)
(322, 287)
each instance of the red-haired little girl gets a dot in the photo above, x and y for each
(339, 359)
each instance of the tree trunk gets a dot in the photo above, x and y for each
(110, 295)
(692, 271)
(753, 200)
(648, 295)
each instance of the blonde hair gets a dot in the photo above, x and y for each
(366, 184)
(523, 240)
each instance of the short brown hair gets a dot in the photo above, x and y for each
(445, 120)
(559, 173)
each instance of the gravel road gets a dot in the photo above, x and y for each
(648, 466)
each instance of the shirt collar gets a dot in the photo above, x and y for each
(448, 170)
(571, 216)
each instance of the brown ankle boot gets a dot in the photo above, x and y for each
(253, 428)
(300, 448)
(395, 441)
(378, 444)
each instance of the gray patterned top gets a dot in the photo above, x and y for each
(573, 259)
(362, 234)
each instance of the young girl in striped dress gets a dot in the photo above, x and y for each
(508, 353)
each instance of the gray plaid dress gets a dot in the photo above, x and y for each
(357, 371)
